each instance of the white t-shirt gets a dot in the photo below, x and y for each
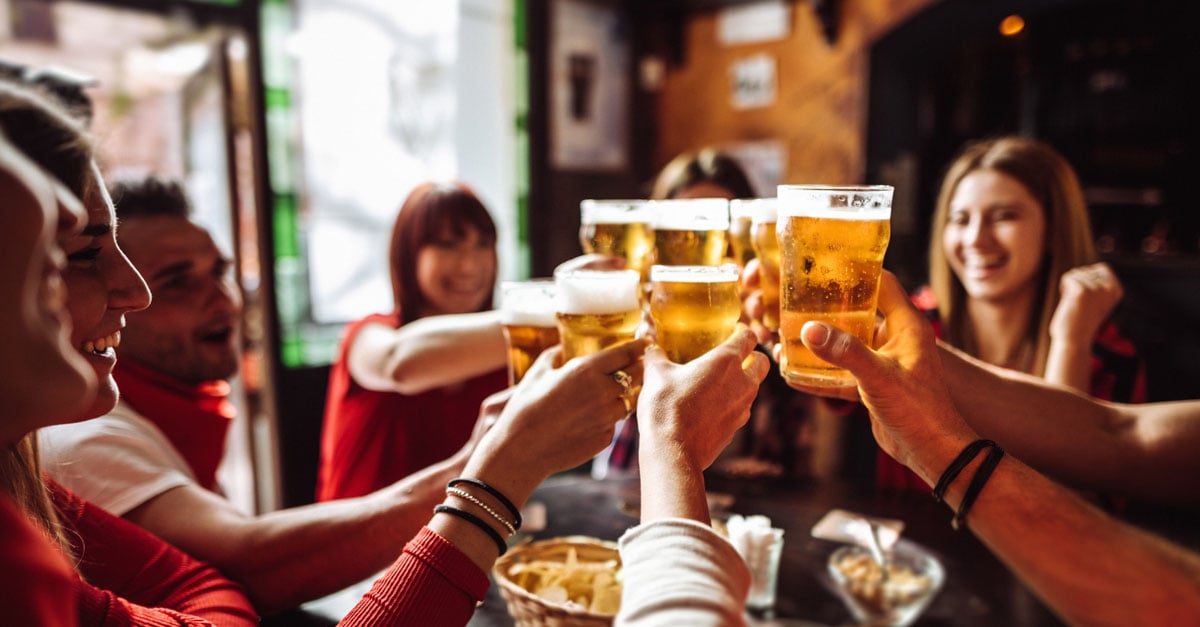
(117, 461)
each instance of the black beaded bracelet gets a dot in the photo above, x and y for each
(475, 520)
(956, 466)
(977, 480)
(512, 509)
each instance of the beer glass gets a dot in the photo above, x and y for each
(618, 228)
(527, 311)
(741, 215)
(766, 248)
(690, 232)
(596, 309)
(694, 308)
(831, 243)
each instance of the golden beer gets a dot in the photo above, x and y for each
(690, 232)
(766, 249)
(527, 311)
(741, 221)
(688, 248)
(596, 309)
(832, 242)
(694, 308)
(618, 228)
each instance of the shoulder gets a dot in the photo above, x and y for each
(116, 461)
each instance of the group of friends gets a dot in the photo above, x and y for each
(111, 512)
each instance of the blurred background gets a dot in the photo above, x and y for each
(300, 126)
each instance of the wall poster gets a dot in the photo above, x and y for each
(589, 87)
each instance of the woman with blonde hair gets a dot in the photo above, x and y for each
(1015, 274)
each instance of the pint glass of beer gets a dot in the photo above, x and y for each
(766, 248)
(694, 308)
(741, 214)
(618, 228)
(596, 309)
(527, 311)
(831, 241)
(690, 232)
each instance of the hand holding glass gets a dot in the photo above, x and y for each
(832, 241)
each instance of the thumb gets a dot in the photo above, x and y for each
(840, 348)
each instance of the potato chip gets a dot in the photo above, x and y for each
(585, 585)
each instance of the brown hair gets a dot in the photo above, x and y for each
(41, 129)
(707, 165)
(429, 211)
(1053, 183)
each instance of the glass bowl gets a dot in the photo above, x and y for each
(914, 578)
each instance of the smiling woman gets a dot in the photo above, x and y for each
(406, 387)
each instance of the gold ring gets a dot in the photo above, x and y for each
(625, 381)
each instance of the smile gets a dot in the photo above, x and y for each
(101, 345)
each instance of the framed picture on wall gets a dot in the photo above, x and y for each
(589, 87)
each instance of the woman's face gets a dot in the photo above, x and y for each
(994, 237)
(102, 286)
(456, 275)
(43, 381)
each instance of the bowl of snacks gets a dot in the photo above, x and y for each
(573, 581)
(894, 594)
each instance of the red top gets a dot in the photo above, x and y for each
(36, 579)
(1117, 375)
(195, 418)
(431, 584)
(134, 578)
(372, 439)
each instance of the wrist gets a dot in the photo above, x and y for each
(516, 484)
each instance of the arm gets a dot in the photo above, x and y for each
(1088, 295)
(1089, 567)
(543, 429)
(686, 415)
(290, 556)
(427, 353)
(677, 570)
(1140, 449)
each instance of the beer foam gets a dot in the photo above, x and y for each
(691, 214)
(695, 274)
(871, 202)
(597, 292)
(527, 303)
(757, 209)
(592, 211)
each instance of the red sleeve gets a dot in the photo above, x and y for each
(36, 578)
(137, 579)
(432, 584)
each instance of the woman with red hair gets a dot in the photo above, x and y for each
(406, 387)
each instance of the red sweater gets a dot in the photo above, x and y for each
(134, 578)
(372, 439)
(35, 577)
(431, 584)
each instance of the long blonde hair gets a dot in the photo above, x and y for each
(1053, 183)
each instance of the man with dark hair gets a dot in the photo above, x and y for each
(153, 459)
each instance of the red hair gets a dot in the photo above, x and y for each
(430, 211)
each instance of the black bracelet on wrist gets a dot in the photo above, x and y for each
(512, 509)
(977, 480)
(475, 520)
(968, 453)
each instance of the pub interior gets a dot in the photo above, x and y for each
(299, 127)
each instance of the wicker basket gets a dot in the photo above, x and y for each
(530, 610)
